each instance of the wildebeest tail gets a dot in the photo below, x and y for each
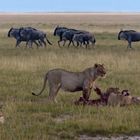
(48, 40)
(44, 85)
(94, 40)
(118, 36)
(9, 32)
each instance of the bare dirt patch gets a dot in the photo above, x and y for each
(85, 137)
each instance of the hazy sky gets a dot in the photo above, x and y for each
(70, 6)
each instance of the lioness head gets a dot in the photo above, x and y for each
(100, 70)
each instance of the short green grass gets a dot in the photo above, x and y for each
(28, 117)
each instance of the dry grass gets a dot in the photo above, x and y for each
(22, 70)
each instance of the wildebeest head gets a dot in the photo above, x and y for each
(122, 35)
(13, 32)
(100, 70)
(125, 92)
(9, 32)
(58, 30)
(55, 30)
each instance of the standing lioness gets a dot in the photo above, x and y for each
(72, 81)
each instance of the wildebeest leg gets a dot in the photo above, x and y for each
(69, 43)
(86, 43)
(17, 43)
(26, 44)
(93, 44)
(30, 43)
(59, 43)
(77, 43)
(60, 39)
(72, 43)
(80, 44)
(36, 43)
(43, 42)
(53, 92)
(64, 42)
(40, 43)
(98, 91)
(129, 45)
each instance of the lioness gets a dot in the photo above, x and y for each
(72, 81)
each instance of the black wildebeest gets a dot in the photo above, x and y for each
(33, 35)
(28, 34)
(15, 32)
(84, 38)
(130, 36)
(58, 32)
(68, 35)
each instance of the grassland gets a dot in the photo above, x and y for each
(22, 71)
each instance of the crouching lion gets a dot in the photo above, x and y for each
(72, 81)
(120, 98)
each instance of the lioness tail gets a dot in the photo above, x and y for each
(44, 85)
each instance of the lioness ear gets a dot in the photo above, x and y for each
(96, 65)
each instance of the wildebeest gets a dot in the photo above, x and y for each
(15, 32)
(112, 97)
(33, 35)
(29, 35)
(130, 36)
(72, 81)
(84, 38)
(103, 100)
(58, 32)
(68, 35)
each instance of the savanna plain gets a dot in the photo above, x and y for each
(22, 71)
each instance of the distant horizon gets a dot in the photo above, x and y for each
(73, 12)
(70, 6)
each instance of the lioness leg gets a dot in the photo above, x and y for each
(53, 92)
(86, 93)
(87, 87)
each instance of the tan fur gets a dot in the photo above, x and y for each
(119, 99)
(72, 81)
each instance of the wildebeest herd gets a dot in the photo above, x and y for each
(31, 35)
(75, 37)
